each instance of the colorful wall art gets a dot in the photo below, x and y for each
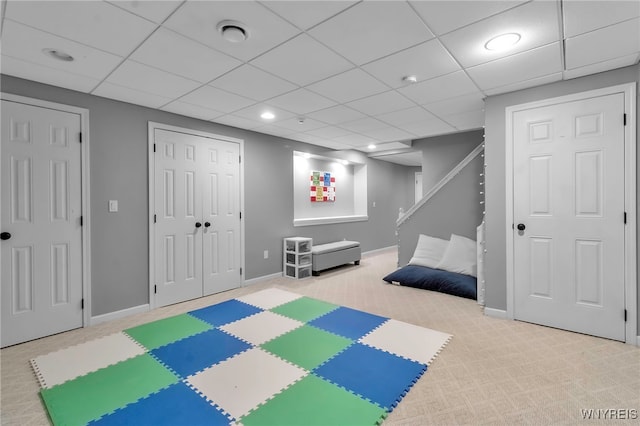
(323, 187)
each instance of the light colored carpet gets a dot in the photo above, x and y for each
(493, 372)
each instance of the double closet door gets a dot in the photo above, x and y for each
(197, 216)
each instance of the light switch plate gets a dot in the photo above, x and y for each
(113, 206)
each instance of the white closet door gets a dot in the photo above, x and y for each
(41, 209)
(569, 203)
(221, 202)
(178, 256)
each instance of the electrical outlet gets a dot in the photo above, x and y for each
(113, 206)
(266, 254)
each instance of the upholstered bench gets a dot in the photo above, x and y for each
(325, 256)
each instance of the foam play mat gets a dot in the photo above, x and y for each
(269, 358)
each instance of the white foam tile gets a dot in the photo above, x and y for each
(269, 298)
(246, 380)
(261, 327)
(407, 340)
(75, 361)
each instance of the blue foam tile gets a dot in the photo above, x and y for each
(225, 312)
(381, 377)
(176, 405)
(348, 323)
(192, 354)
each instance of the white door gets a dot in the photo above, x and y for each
(41, 211)
(197, 205)
(568, 196)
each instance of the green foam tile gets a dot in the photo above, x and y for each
(307, 346)
(315, 402)
(304, 309)
(89, 397)
(168, 330)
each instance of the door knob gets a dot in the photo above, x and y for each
(5, 236)
(198, 224)
(207, 224)
(521, 227)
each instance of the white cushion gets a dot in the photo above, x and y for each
(460, 256)
(429, 251)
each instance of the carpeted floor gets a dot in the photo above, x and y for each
(492, 372)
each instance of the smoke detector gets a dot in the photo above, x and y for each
(233, 31)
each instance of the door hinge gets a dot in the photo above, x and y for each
(81, 221)
(155, 289)
(155, 219)
(625, 218)
(80, 135)
(82, 304)
(625, 315)
(624, 119)
(239, 159)
(240, 215)
(154, 147)
(240, 271)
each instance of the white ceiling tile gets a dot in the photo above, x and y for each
(583, 16)
(604, 44)
(177, 54)
(536, 22)
(348, 86)
(156, 11)
(235, 121)
(329, 132)
(471, 102)
(445, 16)
(253, 83)
(356, 35)
(364, 125)
(216, 99)
(46, 75)
(302, 61)
(127, 94)
(440, 88)
(336, 115)
(27, 44)
(409, 115)
(253, 112)
(89, 22)
(190, 110)
(295, 125)
(199, 20)
(425, 61)
(429, 128)
(466, 120)
(525, 84)
(301, 102)
(520, 67)
(303, 137)
(354, 140)
(306, 14)
(612, 64)
(146, 79)
(381, 103)
(388, 134)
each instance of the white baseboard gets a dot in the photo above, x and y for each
(253, 281)
(380, 250)
(638, 341)
(99, 319)
(495, 313)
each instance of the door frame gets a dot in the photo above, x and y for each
(85, 189)
(630, 159)
(152, 126)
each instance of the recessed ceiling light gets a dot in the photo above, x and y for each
(58, 54)
(410, 79)
(233, 31)
(268, 115)
(371, 146)
(502, 42)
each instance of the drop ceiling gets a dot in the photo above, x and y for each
(331, 71)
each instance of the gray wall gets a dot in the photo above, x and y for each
(495, 270)
(455, 209)
(118, 161)
(440, 154)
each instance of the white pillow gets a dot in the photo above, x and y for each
(429, 251)
(460, 256)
